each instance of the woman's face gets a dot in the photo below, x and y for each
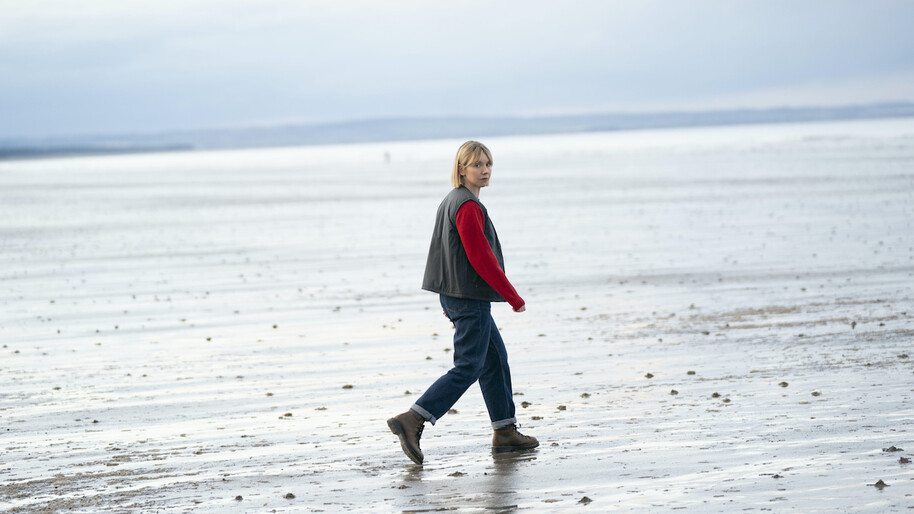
(476, 174)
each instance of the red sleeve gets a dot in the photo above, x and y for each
(470, 226)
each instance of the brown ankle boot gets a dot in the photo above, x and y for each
(408, 427)
(508, 439)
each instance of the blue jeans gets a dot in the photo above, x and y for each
(479, 354)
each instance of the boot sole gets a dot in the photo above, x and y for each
(397, 428)
(506, 449)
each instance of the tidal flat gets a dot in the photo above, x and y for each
(718, 320)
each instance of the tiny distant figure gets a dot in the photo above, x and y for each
(387, 157)
(466, 268)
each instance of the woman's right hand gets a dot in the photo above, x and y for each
(521, 309)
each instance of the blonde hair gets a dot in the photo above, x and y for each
(467, 154)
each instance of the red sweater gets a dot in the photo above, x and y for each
(470, 226)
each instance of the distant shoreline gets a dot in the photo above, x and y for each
(407, 129)
(37, 152)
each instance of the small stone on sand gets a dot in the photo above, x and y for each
(783, 384)
(674, 392)
(893, 449)
(562, 407)
(238, 498)
(289, 496)
(348, 386)
(880, 484)
(585, 500)
(649, 375)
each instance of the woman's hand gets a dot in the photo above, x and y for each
(522, 308)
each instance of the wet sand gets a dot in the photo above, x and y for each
(718, 320)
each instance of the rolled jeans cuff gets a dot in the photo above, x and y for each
(503, 423)
(426, 415)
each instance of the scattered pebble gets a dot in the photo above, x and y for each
(452, 411)
(853, 324)
(562, 407)
(690, 372)
(893, 449)
(715, 395)
(525, 404)
(238, 498)
(289, 496)
(783, 384)
(585, 395)
(536, 418)
(348, 386)
(816, 393)
(880, 484)
(585, 500)
(726, 400)
(904, 460)
(674, 392)
(649, 375)
(457, 474)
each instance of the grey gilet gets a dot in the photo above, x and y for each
(448, 270)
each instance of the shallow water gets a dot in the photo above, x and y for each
(179, 329)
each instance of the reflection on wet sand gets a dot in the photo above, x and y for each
(495, 489)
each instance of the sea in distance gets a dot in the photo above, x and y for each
(718, 319)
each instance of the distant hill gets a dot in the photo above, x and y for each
(401, 129)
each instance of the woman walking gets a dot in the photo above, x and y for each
(466, 268)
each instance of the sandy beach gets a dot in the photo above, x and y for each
(719, 320)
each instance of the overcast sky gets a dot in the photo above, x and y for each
(97, 66)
